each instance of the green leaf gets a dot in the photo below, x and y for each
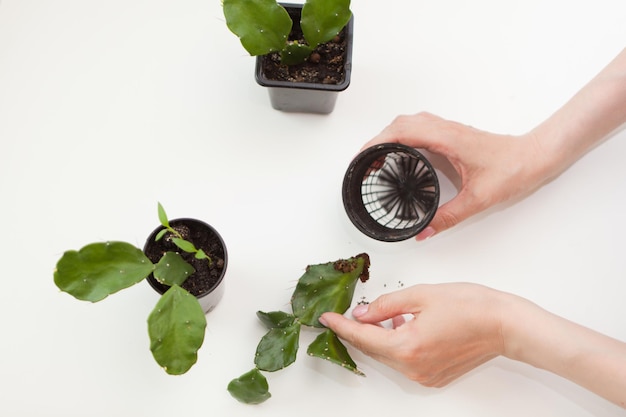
(172, 269)
(250, 388)
(163, 217)
(184, 245)
(328, 346)
(160, 235)
(100, 269)
(274, 319)
(278, 348)
(294, 53)
(261, 25)
(327, 287)
(176, 328)
(200, 254)
(323, 19)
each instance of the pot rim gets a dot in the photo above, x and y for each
(355, 206)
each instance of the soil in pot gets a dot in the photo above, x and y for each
(207, 276)
(326, 65)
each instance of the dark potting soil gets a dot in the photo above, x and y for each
(324, 66)
(345, 266)
(207, 275)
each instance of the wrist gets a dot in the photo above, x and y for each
(545, 159)
(598, 109)
(535, 336)
(522, 325)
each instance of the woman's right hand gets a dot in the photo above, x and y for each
(456, 327)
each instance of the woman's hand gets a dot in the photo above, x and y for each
(452, 328)
(493, 168)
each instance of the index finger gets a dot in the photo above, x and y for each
(422, 130)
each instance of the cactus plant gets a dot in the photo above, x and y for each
(323, 287)
(263, 26)
(177, 324)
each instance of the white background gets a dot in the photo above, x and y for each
(107, 107)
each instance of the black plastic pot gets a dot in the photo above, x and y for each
(390, 192)
(207, 283)
(306, 97)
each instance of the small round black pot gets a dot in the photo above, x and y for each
(390, 192)
(207, 283)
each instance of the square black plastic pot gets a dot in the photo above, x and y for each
(306, 97)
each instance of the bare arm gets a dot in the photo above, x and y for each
(587, 358)
(593, 113)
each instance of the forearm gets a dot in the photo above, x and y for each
(585, 357)
(593, 113)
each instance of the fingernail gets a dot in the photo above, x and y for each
(425, 234)
(323, 321)
(359, 310)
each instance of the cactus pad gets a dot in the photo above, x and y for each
(100, 269)
(172, 269)
(264, 26)
(250, 388)
(278, 348)
(176, 328)
(276, 319)
(328, 287)
(328, 346)
(323, 19)
(261, 25)
(294, 53)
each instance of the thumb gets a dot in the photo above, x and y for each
(367, 338)
(449, 215)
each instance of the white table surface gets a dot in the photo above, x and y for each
(108, 107)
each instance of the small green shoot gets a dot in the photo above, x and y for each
(177, 238)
